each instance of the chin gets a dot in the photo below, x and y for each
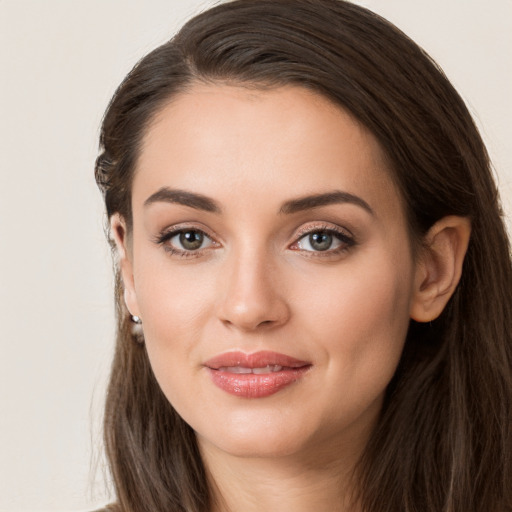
(259, 434)
(255, 444)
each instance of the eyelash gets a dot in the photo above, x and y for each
(347, 241)
(165, 236)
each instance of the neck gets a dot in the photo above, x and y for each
(313, 482)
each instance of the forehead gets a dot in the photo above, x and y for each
(240, 143)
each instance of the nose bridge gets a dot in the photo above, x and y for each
(252, 297)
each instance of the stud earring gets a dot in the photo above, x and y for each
(137, 333)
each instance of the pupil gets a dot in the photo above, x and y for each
(191, 240)
(320, 241)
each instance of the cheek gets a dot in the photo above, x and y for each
(172, 298)
(360, 315)
(175, 304)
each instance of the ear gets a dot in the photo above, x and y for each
(439, 267)
(124, 251)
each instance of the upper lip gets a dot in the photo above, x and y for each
(254, 360)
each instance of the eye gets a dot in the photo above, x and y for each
(185, 242)
(190, 240)
(326, 240)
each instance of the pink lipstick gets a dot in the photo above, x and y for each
(255, 375)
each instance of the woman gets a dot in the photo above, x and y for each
(313, 296)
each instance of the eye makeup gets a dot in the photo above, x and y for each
(321, 240)
(194, 241)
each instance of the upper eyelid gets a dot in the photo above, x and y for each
(171, 231)
(323, 226)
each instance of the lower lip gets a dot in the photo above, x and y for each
(250, 385)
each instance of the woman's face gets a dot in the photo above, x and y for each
(271, 267)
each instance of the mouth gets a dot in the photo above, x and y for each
(242, 370)
(256, 375)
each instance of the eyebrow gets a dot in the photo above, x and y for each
(318, 200)
(190, 199)
(201, 202)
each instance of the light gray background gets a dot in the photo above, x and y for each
(60, 61)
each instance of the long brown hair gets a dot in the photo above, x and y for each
(443, 442)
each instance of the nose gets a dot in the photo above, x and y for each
(252, 298)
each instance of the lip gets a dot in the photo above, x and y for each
(223, 372)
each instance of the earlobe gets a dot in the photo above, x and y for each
(439, 267)
(120, 235)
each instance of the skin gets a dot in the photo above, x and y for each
(257, 283)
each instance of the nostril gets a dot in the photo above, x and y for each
(251, 303)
